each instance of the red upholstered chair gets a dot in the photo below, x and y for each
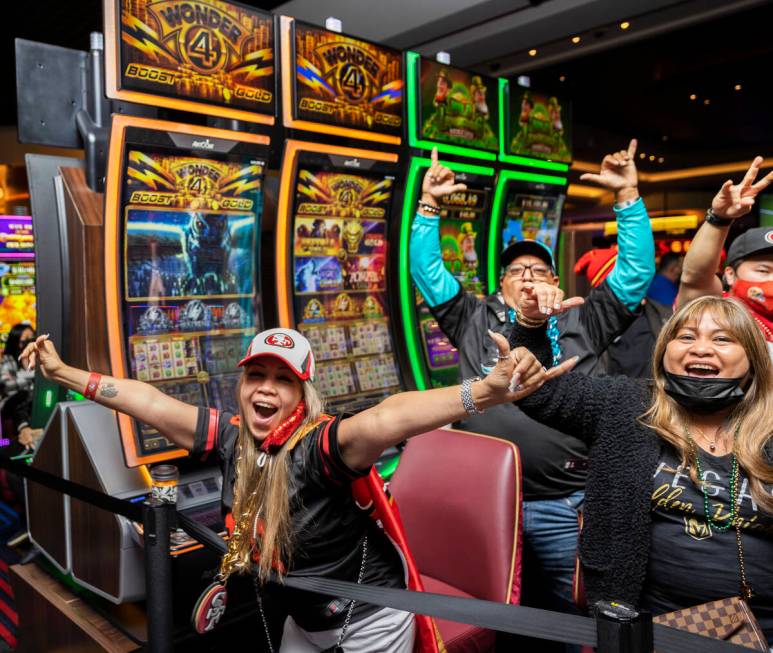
(459, 496)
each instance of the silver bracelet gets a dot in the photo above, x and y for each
(467, 402)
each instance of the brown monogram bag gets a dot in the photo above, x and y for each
(728, 619)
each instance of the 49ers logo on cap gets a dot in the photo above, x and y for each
(280, 340)
(769, 236)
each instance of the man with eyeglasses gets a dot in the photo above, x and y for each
(554, 464)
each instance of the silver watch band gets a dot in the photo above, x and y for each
(466, 392)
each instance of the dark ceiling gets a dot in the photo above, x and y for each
(642, 89)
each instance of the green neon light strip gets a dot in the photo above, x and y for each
(407, 294)
(413, 129)
(497, 216)
(504, 87)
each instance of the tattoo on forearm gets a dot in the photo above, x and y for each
(108, 390)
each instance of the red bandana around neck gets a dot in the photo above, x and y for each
(273, 441)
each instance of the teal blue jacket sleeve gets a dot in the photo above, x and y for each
(635, 267)
(436, 284)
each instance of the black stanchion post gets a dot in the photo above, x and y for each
(620, 628)
(157, 519)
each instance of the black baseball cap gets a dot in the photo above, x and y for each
(532, 247)
(754, 241)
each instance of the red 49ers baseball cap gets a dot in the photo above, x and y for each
(287, 345)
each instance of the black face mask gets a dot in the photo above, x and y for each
(703, 395)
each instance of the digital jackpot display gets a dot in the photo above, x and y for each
(458, 106)
(531, 216)
(343, 81)
(540, 126)
(204, 51)
(339, 267)
(189, 232)
(16, 239)
(463, 231)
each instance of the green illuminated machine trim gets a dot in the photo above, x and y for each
(504, 86)
(413, 111)
(407, 307)
(497, 215)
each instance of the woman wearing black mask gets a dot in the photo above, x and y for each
(16, 385)
(678, 509)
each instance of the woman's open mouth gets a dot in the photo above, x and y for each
(264, 412)
(702, 369)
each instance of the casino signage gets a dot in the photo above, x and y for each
(347, 82)
(205, 50)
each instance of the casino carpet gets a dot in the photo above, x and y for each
(9, 619)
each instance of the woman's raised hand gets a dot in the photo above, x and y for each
(518, 373)
(41, 352)
(439, 181)
(733, 201)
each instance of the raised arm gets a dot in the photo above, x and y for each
(635, 267)
(364, 436)
(733, 201)
(174, 419)
(436, 284)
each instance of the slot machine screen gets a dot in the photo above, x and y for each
(458, 106)
(17, 273)
(345, 81)
(210, 53)
(463, 231)
(189, 232)
(339, 267)
(540, 125)
(531, 215)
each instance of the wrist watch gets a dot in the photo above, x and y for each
(713, 218)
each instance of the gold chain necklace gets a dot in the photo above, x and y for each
(712, 443)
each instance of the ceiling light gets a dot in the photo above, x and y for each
(642, 155)
(532, 53)
(575, 39)
(625, 25)
(665, 138)
(738, 87)
(562, 78)
(652, 157)
(693, 97)
(707, 101)
(660, 159)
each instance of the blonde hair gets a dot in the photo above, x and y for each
(753, 415)
(261, 495)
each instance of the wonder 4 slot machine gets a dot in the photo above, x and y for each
(456, 111)
(182, 230)
(335, 199)
(535, 145)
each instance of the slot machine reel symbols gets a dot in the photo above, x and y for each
(353, 234)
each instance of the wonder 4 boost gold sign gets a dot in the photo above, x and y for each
(205, 50)
(344, 81)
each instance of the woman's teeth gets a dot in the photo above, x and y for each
(263, 409)
(702, 370)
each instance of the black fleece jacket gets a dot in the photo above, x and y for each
(615, 539)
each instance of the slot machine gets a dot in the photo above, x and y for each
(535, 131)
(338, 184)
(163, 276)
(456, 111)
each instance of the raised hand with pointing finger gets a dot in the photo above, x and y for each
(618, 174)
(438, 182)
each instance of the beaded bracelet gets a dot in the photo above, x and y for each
(429, 208)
